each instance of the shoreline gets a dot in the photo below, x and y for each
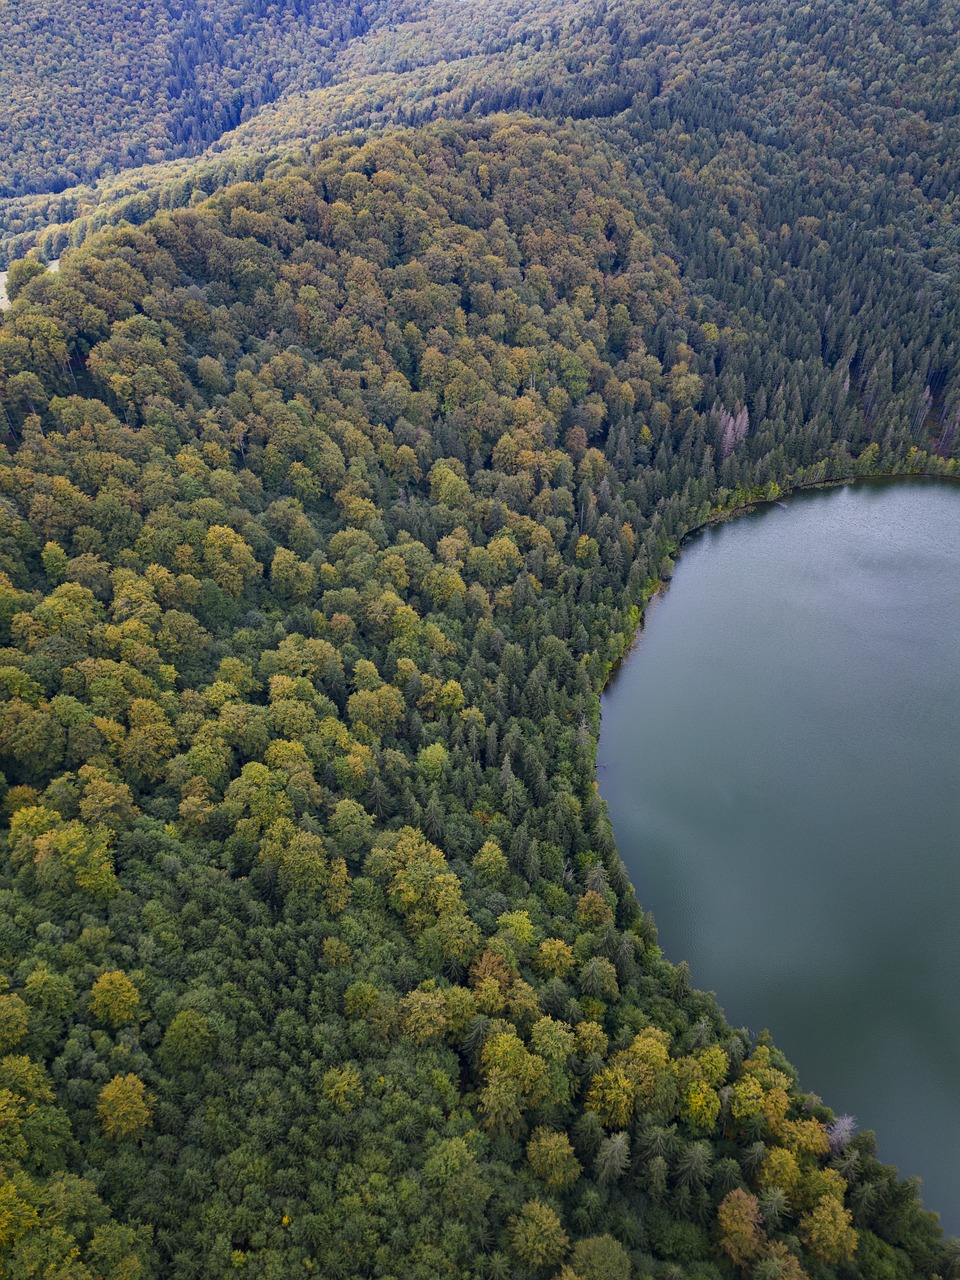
(727, 514)
(874, 499)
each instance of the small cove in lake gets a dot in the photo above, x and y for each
(779, 754)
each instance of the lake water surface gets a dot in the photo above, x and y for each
(781, 757)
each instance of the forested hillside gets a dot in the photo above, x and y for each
(327, 506)
(794, 159)
(851, 108)
(90, 89)
(338, 468)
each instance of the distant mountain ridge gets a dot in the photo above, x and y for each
(90, 88)
(872, 86)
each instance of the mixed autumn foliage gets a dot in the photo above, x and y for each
(93, 89)
(328, 498)
(327, 506)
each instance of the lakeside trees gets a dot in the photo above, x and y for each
(326, 506)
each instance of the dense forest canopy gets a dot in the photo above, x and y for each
(328, 498)
(96, 88)
(328, 505)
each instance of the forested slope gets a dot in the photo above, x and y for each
(778, 106)
(326, 506)
(94, 88)
(795, 158)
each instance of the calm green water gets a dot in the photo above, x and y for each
(780, 756)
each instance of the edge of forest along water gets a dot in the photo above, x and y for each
(723, 516)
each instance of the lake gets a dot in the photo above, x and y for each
(780, 756)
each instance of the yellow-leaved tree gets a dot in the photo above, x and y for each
(114, 998)
(124, 1107)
